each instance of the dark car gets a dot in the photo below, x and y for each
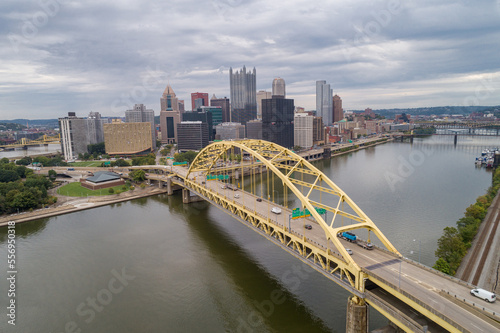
(259, 199)
(308, 227)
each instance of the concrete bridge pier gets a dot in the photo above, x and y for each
(188, 198)
(456, 139)
(171, 187)
(357, 315)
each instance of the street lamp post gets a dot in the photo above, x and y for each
(400, 261)
(419, 248)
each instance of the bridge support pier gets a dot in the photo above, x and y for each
(188, 198)
(456, 139)
(357, 315)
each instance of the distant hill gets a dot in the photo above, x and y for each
(11, 126)
(52, 123)
(437, 110)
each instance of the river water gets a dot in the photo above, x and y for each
(156, 265)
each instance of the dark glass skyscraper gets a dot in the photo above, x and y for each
(243, 95)
(277, 120)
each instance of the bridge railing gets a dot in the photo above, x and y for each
(416, 300)
(407, 321)
(490, 313)
(427, 268)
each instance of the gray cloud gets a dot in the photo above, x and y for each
(103, 56)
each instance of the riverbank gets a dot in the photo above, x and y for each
(481, 264)
(78, 204)
(366, 145)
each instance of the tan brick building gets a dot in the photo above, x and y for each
(127, 138)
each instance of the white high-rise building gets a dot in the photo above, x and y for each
(261, 94)
(303, 130)
(324, 102)
(279, 87)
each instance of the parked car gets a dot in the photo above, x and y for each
(308, 227)
(484, 294)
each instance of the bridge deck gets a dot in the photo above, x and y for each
(421, 284)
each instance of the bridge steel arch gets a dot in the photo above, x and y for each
(276, 158)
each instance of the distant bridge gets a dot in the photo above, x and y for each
(24, 142)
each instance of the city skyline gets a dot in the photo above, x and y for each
(108, 57)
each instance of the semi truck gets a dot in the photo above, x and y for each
(350, 237)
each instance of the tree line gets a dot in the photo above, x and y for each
(456, 241)
(21, 189)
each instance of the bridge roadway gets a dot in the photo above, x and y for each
(424, 285)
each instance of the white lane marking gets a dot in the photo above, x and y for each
(476, 327)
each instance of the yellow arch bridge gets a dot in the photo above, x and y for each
(24, 142)
(291, 203)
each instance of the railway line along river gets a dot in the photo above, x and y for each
(156, 265)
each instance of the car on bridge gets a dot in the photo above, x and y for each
(484, 294)
(308, 227)
(349, 251)
(259, 200)
(237, 196)
(276, 210)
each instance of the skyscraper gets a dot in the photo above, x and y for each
(74, 136)
(197, 96)
(95, 132)
(279, 87)
(261, 94)
(243, 95)
(169, 116)
(277, 120)
(303, 130)
(139, 114)
(193, 135)
(338, 113)
(224, 104)
(324, 102)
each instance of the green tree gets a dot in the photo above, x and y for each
(451, 248)
(475, 211)
(111, 190)
(24, 161)
(97, 148)
(120, 163)
(43, 160)
(138, 175)
(188, 156)
(52, 175)
(8, 176)
(442, 266)
(4, 160)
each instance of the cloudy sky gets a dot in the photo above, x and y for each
(67, 55)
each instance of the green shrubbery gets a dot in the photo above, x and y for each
(455, 242)
(20, 189)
